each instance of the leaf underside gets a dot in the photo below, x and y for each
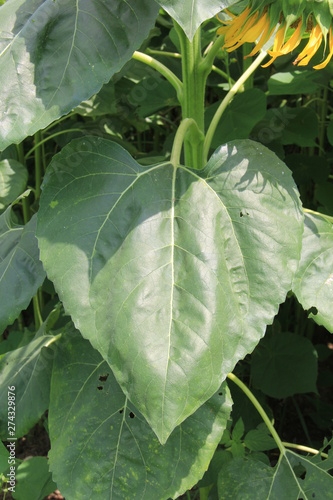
(172, 274)
(313, 283)
(54, 54)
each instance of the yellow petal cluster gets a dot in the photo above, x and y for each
(255, 26)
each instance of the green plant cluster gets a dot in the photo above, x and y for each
(166, 257)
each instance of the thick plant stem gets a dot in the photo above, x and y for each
(194, 79)
(260, 409)
(163, 70)
(230, 95)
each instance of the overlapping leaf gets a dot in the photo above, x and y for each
(115, 454)
(313, 284)
(28, 368)
(252, 479)
(13, 180)
(171, 274)
(21, 272)
(56, 53)
(190, 14)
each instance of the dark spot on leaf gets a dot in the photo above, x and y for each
(220, 393)
(313, 495)
(313, 310)
(131, 415)
(103, 378)
(100, 388)
(121, 411)
(243, 213)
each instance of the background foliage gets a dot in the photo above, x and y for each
(67, 77)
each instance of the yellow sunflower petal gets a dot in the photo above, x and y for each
(311, 47)
(237, 36)
(266, 34)
(329, 57)
(293, 41)
(278, 42)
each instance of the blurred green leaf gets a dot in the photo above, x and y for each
(242, 114)
(34, 480)
(296, 82)
(284, 364)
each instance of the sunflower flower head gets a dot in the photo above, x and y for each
(288, 21)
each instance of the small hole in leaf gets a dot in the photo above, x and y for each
(131, 415)
(220, 393)
(103, 378)
(99, 387)
(313, 495)
(241, 214)
(313, 311)
(121, 411)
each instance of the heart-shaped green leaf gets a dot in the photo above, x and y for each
(56, 53)
(116, 455)
(172, 274)
(313, 283)
(190, 14)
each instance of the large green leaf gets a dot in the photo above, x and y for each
(101, 447)
(254, 480)
(189, 14)
(171, 274)
(313, 284)
(21, 272)
(56, 53)
(27, 368)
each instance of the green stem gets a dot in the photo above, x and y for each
(166, 72)
(176, 55)
(38, 164)
(179, 140)
(37, 315)
(230, 95)
(193, 105)
(51, 137)
(260, 409)
(329, 218)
